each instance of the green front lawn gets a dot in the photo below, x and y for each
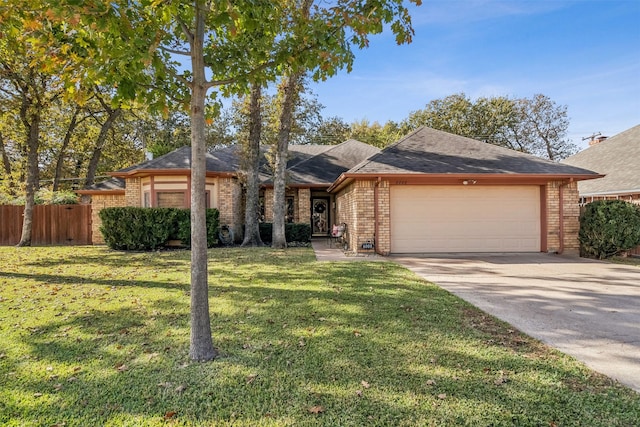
(93, 337)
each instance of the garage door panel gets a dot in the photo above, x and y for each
(465, 219)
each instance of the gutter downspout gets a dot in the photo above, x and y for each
(375, 215)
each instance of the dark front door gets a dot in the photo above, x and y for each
(320, 216)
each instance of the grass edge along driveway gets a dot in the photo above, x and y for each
(97, 337)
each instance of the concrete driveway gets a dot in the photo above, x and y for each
(587, 309)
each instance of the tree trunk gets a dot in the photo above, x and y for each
(251, 225)
(6, 163)
(6, 166)
(100, 143)
(290, 92)
(32, 125)
(201, 344)
(65, 143)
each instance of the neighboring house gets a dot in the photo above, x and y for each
(429, 192)
(618, 158)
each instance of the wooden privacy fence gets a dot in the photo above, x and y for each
(52, 225)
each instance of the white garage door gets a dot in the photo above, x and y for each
(465, 219)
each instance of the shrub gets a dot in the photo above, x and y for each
(131, 228)
(183, 227)
(137, 229)
(608, 227)
(293, 232)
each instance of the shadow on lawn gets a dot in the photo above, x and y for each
(73, 280)
(369, 344)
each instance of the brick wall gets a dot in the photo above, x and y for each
(303, 211)
(268, 204)
(383, 239)
(99, 202)
(227, 200)
(132, 193)
(355, 207)
(570, 216)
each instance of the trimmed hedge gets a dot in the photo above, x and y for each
(608, 227)
(143, 229)
(293, 232)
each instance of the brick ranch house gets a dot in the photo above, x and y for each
(429, 192)
(618, 158)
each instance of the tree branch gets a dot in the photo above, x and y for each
(176, 51)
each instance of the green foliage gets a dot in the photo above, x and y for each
(532, 125)
(608, 227)
(183, 225)
(143, 229)
(43, 197)
(293, 232)
(137, 229)
(93, 337)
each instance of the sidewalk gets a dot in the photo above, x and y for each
(326, 253)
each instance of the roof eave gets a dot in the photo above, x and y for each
(100, 192)
(139, 173)
(407, 178)
(611, 193)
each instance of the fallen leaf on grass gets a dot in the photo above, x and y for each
(316, 409)
(122, 367)
(58, 424)
(359, 393)
(57, 387)
(165, 384)
(442, 396)
(37, 394)
(251, 378)
(169, 415)
(431, 382)
(72, 379)
(501, 380)
(357, 333)
(180, 388)
(365, 384)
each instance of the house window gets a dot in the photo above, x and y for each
(170, 199)
(147, 200)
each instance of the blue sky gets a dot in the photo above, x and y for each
(584, 54)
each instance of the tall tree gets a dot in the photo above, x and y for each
(541, 127)
(129, 45)
(31, 90)
(290, 90)
(251, 162)
(532, 125)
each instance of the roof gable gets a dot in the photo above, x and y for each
(430, 151)
(327, 166)
(618, 158)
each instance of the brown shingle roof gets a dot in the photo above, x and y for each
(430, 151)
(327, 166)
(618, 158)
(307, 164)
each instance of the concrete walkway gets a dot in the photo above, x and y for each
(585, 308)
